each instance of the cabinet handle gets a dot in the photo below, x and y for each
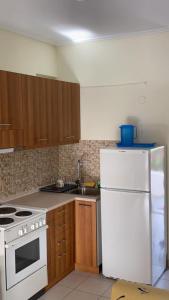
(85, 204)
(43, 140)
(69, 137)
(59, 243)
(5, 124)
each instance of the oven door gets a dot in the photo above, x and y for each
(25, 256)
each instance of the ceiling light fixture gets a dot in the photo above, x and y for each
(77, 35)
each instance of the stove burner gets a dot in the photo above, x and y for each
(7, 210)
(5, 221)
(23, 213)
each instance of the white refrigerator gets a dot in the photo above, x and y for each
(133, 213)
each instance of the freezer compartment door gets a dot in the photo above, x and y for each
(126, 236)
(125, 169)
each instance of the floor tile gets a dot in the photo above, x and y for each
(78, 295)
(108, 292)
(166, 275)
(95, 285)
(163, 284)
(73, 280)
(57, 292)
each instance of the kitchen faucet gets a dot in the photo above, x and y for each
(79, 179)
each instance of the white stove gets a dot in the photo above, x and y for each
(23, 253)
(11, 216)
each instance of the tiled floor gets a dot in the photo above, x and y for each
(86, 286)
(81, 286)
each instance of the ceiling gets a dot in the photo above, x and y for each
(65, 21)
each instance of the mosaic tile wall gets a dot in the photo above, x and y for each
(88, 152)
(23, 171)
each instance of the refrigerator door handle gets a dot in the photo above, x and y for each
(124, 190)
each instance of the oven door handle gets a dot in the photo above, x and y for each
(15, 243)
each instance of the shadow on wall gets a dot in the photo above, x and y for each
(64, 69)
(150, 133)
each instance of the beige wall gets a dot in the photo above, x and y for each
(25, 55)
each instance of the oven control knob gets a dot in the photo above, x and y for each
(37, 225)
(33, 227)
(25, 230)
(20, 232)
(40, 223)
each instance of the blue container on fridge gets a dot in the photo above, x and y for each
(128, 133)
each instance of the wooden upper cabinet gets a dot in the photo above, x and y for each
(53, 111)
(40, 106)
(34, 112)
(11, 134)
(69, 112)
(38, 112)
(75, 111)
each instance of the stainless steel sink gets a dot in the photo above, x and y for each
(85, 191)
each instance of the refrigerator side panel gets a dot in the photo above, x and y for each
(126, 236)
(158, 212)
(125, 169)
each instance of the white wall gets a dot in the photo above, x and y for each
(25, 55)
(122, 62)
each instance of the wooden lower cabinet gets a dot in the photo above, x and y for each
(60, 243)
(85, 236)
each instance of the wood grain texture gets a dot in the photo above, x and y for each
(46, 110)
(35, 112)
(10, 110)
(69, 112)
(85, 236)
(60, 243)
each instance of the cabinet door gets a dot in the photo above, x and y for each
(69, 112)
(60, 243)
(53, 111)
(35, 116)
(11, 134)
(75, 111)
(85, 236)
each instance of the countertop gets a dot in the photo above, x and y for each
(49, 201)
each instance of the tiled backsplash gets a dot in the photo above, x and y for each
(88, 152)
(23, 171)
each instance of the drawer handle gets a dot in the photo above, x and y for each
(85, 204)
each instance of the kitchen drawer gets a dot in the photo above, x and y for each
(61, 241)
